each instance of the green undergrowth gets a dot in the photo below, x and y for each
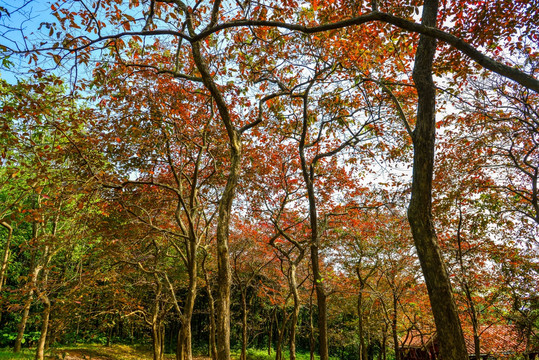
(7, 353)
(262, 354)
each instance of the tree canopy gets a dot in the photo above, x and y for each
(328, 177)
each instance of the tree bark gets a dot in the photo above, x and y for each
(158, 343)
(280, 335)
(5, 257)
(184, 351)
(22, 325)
(308, 176)
(394, 327)
(270, 335)
(243, 354)
(35, 270)
(384, 343)
(224, 273)
(311, 329)
(452, 346)
(27, 304)
(212, 343)
(464, 283)
(361, 334)
(40, 350)
(295, 311)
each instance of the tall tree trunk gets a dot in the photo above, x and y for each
(311, 329)
(163, 334)
(27, 304)
(308, 176)
(223, 265)
(270, 335)
(394, 327)
(5, 257)
(360, 331)
(321, 302)
(47, 256)
(40, 350)
(35, 269)
(22, 325)
(295, 312)
(448, 327)
(224, 273)
(280, 334)
(158, 343)
(384, 342)
(469, 300)
(243, 354)
(212, 343)
(109, 335)
(184, 351)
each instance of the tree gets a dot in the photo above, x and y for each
(33, 110)
(249, 258)
(318, 19)
(174, 148)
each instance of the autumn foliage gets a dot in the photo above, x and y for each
(215, 177)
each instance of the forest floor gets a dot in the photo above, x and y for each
(99, 352)
(90, 352)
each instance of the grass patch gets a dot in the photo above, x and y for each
(26, 354)
(257, 354)
(262, 354)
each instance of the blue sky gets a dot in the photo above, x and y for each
(20, 19)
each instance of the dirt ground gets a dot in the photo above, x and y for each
(115, 352)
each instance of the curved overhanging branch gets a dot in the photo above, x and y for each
(487, 62)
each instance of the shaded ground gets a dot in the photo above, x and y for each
(90, 352)
(96, 352)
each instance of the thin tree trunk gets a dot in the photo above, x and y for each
(35, 270)
(280, 335)
(311, 328)
(467, 291)
(308, 177)
(243, 354)
(22, 325)
(163, 334)
(384, 343)
(394, 328)
(223, 264)
(278, 342)
(270, 335)
(295, 312)
(452, 344)
(109, 336)
(213, 345)
(184, 351)
(361, 333)
(224, 273)
(27, 304)
(40, 350)
(158, 340)
(5, 257)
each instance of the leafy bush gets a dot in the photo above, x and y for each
(7, 337)
(256, 354)
(262, 354)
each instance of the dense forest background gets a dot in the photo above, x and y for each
(209, 177)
